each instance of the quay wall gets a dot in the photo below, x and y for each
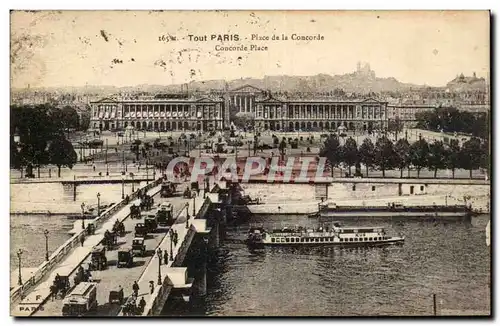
(304, 198)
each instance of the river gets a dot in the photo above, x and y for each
(449, 259)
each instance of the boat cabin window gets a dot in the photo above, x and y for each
(373, 188)
(351, 239)
(293, 239)
(282, 239)
(354, 187)
(287, 239)
(370, 239)
(341, 239)
(302, 239)
(421, 188)
(273, 240)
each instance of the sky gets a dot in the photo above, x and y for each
(127, 48)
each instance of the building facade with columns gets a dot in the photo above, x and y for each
(243, 99)
(158, 113)
(407, 113)
(319, 114)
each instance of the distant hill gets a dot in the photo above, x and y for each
(362, 81)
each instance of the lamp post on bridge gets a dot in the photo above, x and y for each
(187, 215)
(171, 234)
(83, 216)
(123, 187)
(159, 254)
(98, 204)
(19, 279)
(132, 176)
(46, 234)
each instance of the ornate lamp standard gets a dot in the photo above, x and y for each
(19, 279)
(46, 234)
(123, 187)
(159, 254)
(83, 216)
(187, 215)
(98, 204)
(132, 176)
(171, 245)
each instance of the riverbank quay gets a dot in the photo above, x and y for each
(304, 198)
(35, 290)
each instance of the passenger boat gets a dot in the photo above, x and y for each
(321, 236)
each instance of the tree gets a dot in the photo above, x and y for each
(384, 154)
(485, 156)
(367, 153)
(453, 157)
(70, 118)
(402, 150)
(62, 153)
(437, 156)
(419, 154)
(350, 153)
(36, 127)
(471, 155)
(332, 151)
(395, 126)
(84, 121)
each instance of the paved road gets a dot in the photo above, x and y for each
(110, 278)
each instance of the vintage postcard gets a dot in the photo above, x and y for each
(250, 163)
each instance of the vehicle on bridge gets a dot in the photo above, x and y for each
(81, 301)
(125, 258)
(164, 214)
(135, 211)
(138, 246)
(98, 260)
(110, 239)
(60, 286)
(119, 228)
(150, 221)
(141, 230)
(116, 296)
(167, 189)
(147, 202)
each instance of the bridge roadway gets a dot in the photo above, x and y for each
(110, 278)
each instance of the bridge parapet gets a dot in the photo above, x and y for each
(61, 252)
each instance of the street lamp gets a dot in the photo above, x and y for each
(159, 253)
(19, 279)
(98, 205)
(83, 216)
(194, 206)
(187, 215)
(171, 245)
(46, 234)
(123, 187)
(147, 173)
(132, 176)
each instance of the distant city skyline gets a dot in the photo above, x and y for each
(125, 48)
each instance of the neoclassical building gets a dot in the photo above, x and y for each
(319, 114)
(158, 113)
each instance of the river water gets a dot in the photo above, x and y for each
(26, 231)
(449, 259)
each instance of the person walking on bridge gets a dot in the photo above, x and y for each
(165, 257)
(135, 288)
(176, 238)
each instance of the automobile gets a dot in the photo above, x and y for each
(125, 258)
(141, 230)
(116, 296)
(98, 260)
(138, 246)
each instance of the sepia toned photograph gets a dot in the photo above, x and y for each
(250, 163)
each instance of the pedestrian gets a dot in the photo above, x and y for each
(152, 286)
(135, 288)
(82, 239)
(142, 304)
(93, 167)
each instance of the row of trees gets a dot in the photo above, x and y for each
(37, 137)
(386, 155)
(453, 120)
